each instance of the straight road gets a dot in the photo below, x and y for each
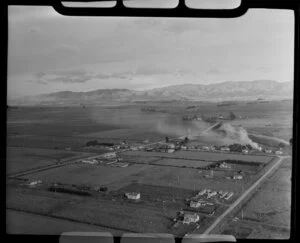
(47, 167)
(245, 194)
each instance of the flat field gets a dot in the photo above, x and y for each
(93, 175)
(20, 159)
(267, 214)
(72, 127)
(183, 163)
(116, 215)
(138, 159)
(33, 224)
(184, 178)
(200, 155)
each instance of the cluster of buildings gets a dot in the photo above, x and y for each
(107, 159)
(224, 165)
(186, 218)
(163, 147)
(198, 200)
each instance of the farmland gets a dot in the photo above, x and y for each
(267, 214)
(39, 137)
(87, 174)
(32, 224)
(203, 156)
(183, 163)
(21, 159)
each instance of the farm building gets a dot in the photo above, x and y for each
(171, 145)
(133, 195)
(33, 183)
(120, 164)
(202, 192)
(205, 148)
(109, 155)
(211, 194)
(224, 165)
(229, 195)
(171, 150)
(237, 177)
(223, 194)
(268, 151)
(92, 161)
(190, 218)
(225, 149)
(197, 204)
(245, 151)
(111, 162)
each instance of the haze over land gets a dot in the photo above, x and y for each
(239, 90)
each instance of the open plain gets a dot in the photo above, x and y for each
(41, 137)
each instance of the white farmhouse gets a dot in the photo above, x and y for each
(133, 195)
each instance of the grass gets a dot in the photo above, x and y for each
(94, 175)
(199, 155)
(27, 223)
(20, 159)
(73, 127)
(183, 163)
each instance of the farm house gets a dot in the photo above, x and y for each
(197, 204)
(171, 151)
(133, 195)
(245, 151)
(33, 183)
(237, 177)
(110, 155)
(190, 218)
(224, 165)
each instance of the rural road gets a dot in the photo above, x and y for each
(245, 194)
(47, 167)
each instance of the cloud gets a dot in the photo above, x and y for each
(214, 71)
(122, 75)
(265, 69)
(102, 76)
(39, 75)
(116, 75)
(65, 51)
(64, 76)
(151, 70)
(42, 82)
(183, 72)
(76, 76)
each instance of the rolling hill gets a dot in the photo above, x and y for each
(230, 90)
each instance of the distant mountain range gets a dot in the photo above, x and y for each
(230, 90)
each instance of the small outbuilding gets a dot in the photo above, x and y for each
(133, 195)
(237, 177)
(109, 155)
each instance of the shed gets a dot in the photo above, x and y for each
(133, 195)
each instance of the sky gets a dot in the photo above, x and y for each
(48, 52)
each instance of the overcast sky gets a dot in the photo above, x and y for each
(49, 52)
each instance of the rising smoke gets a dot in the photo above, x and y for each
(236, 134)
(174, 126)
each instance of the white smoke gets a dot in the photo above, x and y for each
(237, 135)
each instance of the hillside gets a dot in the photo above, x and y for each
(238, 90)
